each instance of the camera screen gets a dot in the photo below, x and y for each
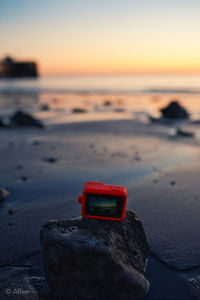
(103, 205)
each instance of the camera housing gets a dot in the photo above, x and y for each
(103, 201)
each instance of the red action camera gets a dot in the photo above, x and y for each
(103, 201)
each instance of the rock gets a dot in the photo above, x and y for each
(44, 107)
(3, 194)
(194, 286)
(21, 118)
(107, 103)
(50, 160)
(174, 111)
(11, 212)
(2, 124)
(24, 178)
(79, 110)
(95, 259)
(183, 133)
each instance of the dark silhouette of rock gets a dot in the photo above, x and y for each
(3, 194)
(11, 212)
(107, 103)
(174, 111)
(44, 107)
(95, 259)
(24, 178)
(21, 118)
(184, 133)
(2, 124)
(79, 110)
(173, 182)
(50, 159)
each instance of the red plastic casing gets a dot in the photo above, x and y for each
(91, 187)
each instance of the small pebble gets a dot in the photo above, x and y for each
(107, 103)
(3, 194)
(50, 159)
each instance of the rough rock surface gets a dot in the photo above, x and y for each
(174, 111)
(194, 285)
(95, 259)
(3, 194)
(21, 118)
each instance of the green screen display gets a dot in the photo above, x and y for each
(103, 205)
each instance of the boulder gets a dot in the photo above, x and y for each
(95, 259)
(21, 118)
(174, 111)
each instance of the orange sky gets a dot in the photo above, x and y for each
(103, 37)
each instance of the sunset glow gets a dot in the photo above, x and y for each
(99, 37)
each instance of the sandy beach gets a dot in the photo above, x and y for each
(99, 150)
(44, 171)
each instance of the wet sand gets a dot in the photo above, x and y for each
(45, 169)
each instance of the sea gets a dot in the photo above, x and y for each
(69, 98)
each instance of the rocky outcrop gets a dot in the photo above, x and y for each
(21, 118)
(95, 259)
(174, 111)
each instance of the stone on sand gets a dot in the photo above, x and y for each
(184, 133)
(79, 110)
(107, 103)
(95, 259)
(2, 124)
(174, 111)
(44, 107)
(21, 118)
(194, 286)
(3, 194)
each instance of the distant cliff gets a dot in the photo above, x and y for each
(10, 68)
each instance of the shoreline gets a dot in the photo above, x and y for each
(128, 152)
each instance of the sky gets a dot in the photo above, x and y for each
(103, 36)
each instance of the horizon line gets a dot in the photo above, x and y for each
(120, 73)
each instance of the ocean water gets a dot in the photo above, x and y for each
(126, 96)
(105, 84)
